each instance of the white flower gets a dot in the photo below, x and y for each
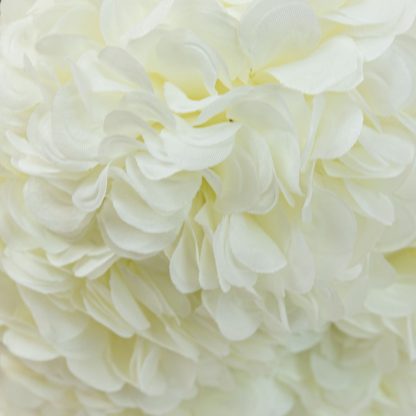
(208, 207)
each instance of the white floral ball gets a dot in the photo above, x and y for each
(208, 208)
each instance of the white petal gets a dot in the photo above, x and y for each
(273, 31)
(398, 300)
(134, 211)
(200, 148)
(329, 375)
(29, 347)
(387, 148)
(331, 233)
(98, 303)
(229, 271)
(301, 264)
(367, 12)
(388, 82)
(126, 66)
(401, 233)
(208, 276)
(128, 240)
(116, 20)
(90, 193)
(126, 305)
(168, 195)
(339, 127)
(183, 59)
(151, 380)
(55, 324)
(236, 318)
(36, 273)
(313, 75)
(95, 372)
(252, 247)
(52, 207)
(372, 202)
(183, 267)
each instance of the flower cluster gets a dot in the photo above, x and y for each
(208, 207)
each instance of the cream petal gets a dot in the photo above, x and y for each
(179, 102)
(178, 371)
(273, 397)
(94, 74)
(331, 233)
(388, 83)
(90, 193)
(236, 319)
(37, 384)
(252, 247)
(301, 264)
(114, 147)
(329, 375)
(373, 47)
(313, 75)
(199, 148)
(126, 124)
(28, 346)
(273, 31)
(387, 148)
(126, 305)
(116, 21)
(98, 303)
(208, 276)
(211, 373)
(95, 372)
(181, 57)
(55, 324)
(285, 152)
(168, 195)
(402, 231)
(184, 263)
(146, 293)
(395, 301)
(151, 381)
(64, 46)
(373, 203)
(247, 177)
(36, 273)
(215, 26)
(93, 340)
(339, 127)
(148, 107)
(367, 12)
(222, 103)
(239, 184)
(134, 211)
(156, 291)
(127, 66)
(229, 271)
(386, 354)
(93, 267)
(154, 18)
(129, 241)
(76, 133)
(129, 397)
(155, 169)
(53, 208)
(206, 335)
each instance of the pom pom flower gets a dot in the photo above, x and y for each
(208, 207)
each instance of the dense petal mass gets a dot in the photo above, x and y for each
(207, 207)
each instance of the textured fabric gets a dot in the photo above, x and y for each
(208, 208)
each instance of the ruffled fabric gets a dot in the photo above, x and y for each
(207, 207)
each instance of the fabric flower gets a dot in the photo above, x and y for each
(208, 207)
